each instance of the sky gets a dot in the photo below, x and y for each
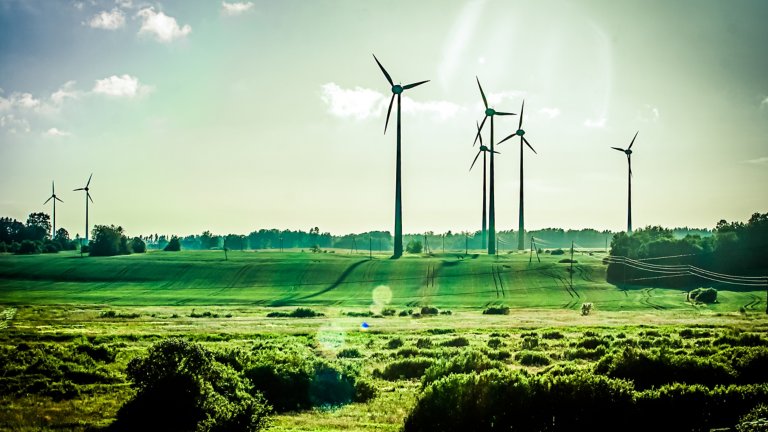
(236, 116)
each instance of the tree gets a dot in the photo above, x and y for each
(414, 247)
(28, 247)
(38, 226)
(138, 245)
(173, 245)
(108, 241)
(63, 240)
(11, 230)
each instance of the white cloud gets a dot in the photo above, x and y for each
(498, 98)
(125, 4)
(54, 132)
(232, 9)
(598, 123)
(24, 100)
(5, 104)
(764, 103)
(78, 5)
(359, 103)
(441, 109)
(648, 114)
(112, 20)
(759, 161)
(64, 92)
(162, 27)
(14, 124)
(121, 86)
(550, 112)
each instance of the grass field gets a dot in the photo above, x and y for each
(64, 306)
(451, 280)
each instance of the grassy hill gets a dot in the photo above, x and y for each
(305, 279)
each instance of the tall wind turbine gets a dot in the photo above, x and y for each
(520, 132)
(54, 198)
(87, 197)
(483, 150)
(397, 90)
(628, 152)
(490, 112)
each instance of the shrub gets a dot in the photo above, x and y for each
(405, 312)
(388, 312)
(553, 334)
(414, 247)
(496, 310)
(466, 362)
(3, 247)
(558, 252)
(180, 386)
(138, 245)
(108, 241)
(532, 358)
(50, 247)
(456, 342)
(113, 314)
(173, 246)
(495, 343)
(394, 343)
(297, 313)
(592, 343)
(530, 342)
(586, 308)
(694, 334)
(743, 340)
(28, 247)
(404, 369)
(364, 391)
(756, 420)
(97, 352)
(703, 295)
(349, 353)
(427, 310)
(424, 343)
(567, 261)
(584, 353)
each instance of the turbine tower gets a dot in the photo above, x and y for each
(483, 150)
(397, 90)
(490, 112)
(87, 197)
(54, 198)
(520, 132)
(628, 152)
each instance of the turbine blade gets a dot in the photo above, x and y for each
(389, 78)
(633, 141)
(504, 113)
(89, 180)
(529, 144)
(522, 109)
(506, 139)
(53, 188)
(389, 111)
(473, 162)
(479, 135)
(89, 196)
(485, 101)
(496, 152)
(619, 149)
(478, 131)
(78, 189)
(46, 201)
(410, 86)
(59, 200)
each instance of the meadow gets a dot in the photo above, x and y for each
(395, 331)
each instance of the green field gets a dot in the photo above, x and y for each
(450, 280)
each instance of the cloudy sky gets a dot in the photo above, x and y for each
(237, 116)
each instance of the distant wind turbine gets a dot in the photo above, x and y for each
(628, 152)
(490, 112)
(520, 132)
(54, 198)
(397, 90)
(87, 197)
(483, 150)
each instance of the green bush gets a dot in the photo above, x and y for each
(138, 245)
(532, 358)
(496, 310)
(703, 295)
(584, 353)
(297, 313)
(394, 343)
(349, 353)
(466, 362)
(28, 247)
(409, 368)
(427, 310)
(755, 420)
(364, 391)
(423, 343)
(742, 340)
(553, 334)
(495, 343)
(173, 246)
(456, 342)
(180, 387)
(414, 247)
(108, 241)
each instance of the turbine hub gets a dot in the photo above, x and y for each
(490, 111)
(628, 152)
(483, 148)
(397, 89)
(520, 132)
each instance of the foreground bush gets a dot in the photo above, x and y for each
(573, 400)
(466, 362)
(181, 387)
(296, 313)
(408, 368)
(496, 310)
(703, 295)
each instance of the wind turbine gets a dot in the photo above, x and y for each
(54, 198)
(628, 152)
(520, 132)
(490, 112)
(483, 150)
(397, 90)
(87, 197)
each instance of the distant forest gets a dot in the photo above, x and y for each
(35, 234)
(657, 256)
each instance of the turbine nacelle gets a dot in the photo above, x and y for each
(490, 112)
(397, 89)
(520, 132)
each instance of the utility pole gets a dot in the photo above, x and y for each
(443, 243)
(466, 243)
(571, 271)
(426, 245)
(281, 243)
(370, 247)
